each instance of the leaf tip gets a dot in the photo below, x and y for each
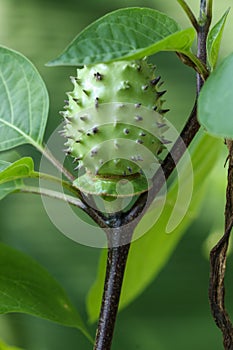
(52, 63)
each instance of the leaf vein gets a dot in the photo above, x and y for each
(8, 95)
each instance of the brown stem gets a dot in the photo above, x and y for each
(123, 227)
(218, 258)
(203, 30)
(229, 191)
(116, 262)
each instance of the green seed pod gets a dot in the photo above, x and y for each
(114, 127)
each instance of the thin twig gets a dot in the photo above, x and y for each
(218, 256)
(204, 25)
(48, 177)
(192, 61)
(218, 259)
(52, 194)
(69, 199)
(47, 153)
(229, 190)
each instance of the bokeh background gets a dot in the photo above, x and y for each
(173, 313)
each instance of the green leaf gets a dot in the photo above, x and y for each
(180, 41)
(126, 33)
(214, 40)
(215, 107)
(24, 101)
(27, 287)
(11, 175)
(20, 169)
(155, 247)
(9, 187)
(3, 346)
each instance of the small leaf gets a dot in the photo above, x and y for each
(126, 33)
(215, 104)
(20, 169)
(180, 42)
(24, 101)
(11, 175)
(150, 253)
(3, 346)
(9, 187)
(27, 287)
(214, 40)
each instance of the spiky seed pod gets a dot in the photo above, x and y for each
(114, 126)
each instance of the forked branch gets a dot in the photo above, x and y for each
(117, 255)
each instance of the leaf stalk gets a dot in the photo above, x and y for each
(47, 153)
(68, 199)
(189, 13)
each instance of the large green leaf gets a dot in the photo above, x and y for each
(126, 33)
(27, 287)
(214, 40)
(151, 252)
(215, 104)
(20, 169)
(24, 101)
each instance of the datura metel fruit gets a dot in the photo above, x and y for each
(114, 125)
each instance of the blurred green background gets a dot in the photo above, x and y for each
(173, 313)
